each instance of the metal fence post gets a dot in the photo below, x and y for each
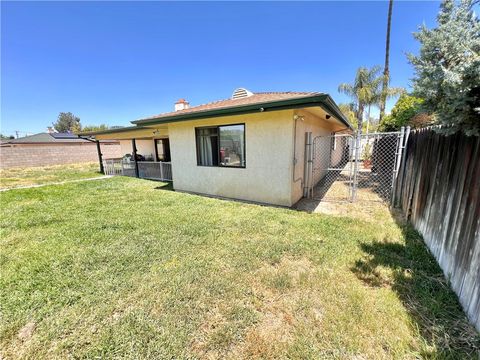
(308, 165)
(397, 164)
(400, 148)
(355, 165)
(399, 183)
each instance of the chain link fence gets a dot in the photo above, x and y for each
(361, 168)
(376, 166)
(333, 167)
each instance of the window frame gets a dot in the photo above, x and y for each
(216, 127)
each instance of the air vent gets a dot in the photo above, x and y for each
(241, 93)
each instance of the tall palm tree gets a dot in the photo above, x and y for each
(364, 91)
(386, 69)
(378, 94)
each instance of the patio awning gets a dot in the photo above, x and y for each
(128, 132)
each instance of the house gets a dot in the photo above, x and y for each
(249, 147)
(44, 149)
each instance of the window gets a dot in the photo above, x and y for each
(221, 145)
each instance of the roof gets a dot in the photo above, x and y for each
(256, 102)
(265, 101)
(42, 138)
(256, 98)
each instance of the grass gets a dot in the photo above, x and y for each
(17, 177)
(122, 269)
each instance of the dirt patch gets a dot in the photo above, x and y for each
(26, 332)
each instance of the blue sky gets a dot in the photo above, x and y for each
(113, 62)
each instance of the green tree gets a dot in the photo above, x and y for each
(447, 70)
(6, 137)
(349, 111)
(362, 90)
(67, 122)
(366, 91)
(95, 127)
(402, 113)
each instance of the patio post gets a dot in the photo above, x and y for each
(100, 160)
(156, 149)
(134, 153)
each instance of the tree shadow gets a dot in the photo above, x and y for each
(421, 286)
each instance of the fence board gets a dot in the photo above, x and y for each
(439, 192)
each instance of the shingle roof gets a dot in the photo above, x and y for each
(47, 138)
(254, 102)
(256, 98)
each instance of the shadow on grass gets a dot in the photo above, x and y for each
(424, 291)
(165, 186)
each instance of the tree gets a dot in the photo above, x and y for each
(6, 137)
(67, 122)
(447, 70)
(349, 111)
(95, 127)
(386, 68)
(359, 92)
(403, 113)
(364, 91)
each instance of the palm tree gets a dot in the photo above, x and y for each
(364, 91)
(378, 94)
(349, 111)
(386, 69)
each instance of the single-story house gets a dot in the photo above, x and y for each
(45, 149)
(249, 147)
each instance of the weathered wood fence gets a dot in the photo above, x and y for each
(438, 189)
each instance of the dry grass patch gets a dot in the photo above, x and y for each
(19, 177)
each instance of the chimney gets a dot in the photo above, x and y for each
(50, 130)
(181, 104)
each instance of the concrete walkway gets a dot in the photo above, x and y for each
(57, 183)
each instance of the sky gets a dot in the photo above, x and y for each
(114, 62)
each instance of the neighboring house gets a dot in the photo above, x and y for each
(249, 147)
(45, 149)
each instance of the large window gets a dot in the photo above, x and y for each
(221, 145)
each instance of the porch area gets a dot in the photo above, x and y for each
(153, 170)
(143, 157)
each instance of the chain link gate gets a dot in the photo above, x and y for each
(361, 168)
(333, 167)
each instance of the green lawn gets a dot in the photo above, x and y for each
(16, 177)
(121, 268)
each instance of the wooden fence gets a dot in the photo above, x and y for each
(438, 189)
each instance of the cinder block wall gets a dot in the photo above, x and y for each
(31, 155)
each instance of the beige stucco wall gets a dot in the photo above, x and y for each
(318, 126)
(145, 147)
(267, 177)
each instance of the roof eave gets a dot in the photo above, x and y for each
(109, 131)
(322, 100)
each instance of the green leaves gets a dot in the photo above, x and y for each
(406, 108)
(67, 122)
(366, 89)
(448, 68)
